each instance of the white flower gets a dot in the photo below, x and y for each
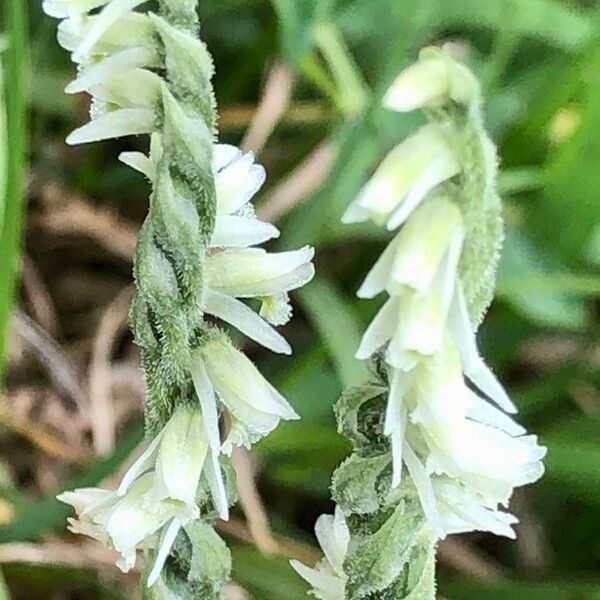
(254, 273)
(405, 177)
(129, 30)
(221, 372)
(438, 426)
(63, 9)
(233, 268)
(418, 270)
(157, 496)
(432, 81)
(327, 577)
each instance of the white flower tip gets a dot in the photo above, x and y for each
(354, 214)
(65, 498)
(362, 354)
(366, 291)
(73, 88)
(285, 349)
(425, 83)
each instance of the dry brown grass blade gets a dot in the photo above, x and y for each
(102, 414)
(239, 116)
(69, 214)
(286, 546)
(251, 502)
(40, 300)
(58, 365)
(461, 557)
(304, 180)
(273, 105)
(40, 437)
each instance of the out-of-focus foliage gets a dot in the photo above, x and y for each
(540, 64)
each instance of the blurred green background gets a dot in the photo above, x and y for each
(315, 72)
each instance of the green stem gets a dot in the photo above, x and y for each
(16, 60)
(352, 91)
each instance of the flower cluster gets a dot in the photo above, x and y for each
(435, 450)
(157, 495)
(446, 414)
(197, 255)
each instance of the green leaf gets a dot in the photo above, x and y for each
(266, 577)
(465, 589)
(522, 267)
(12, 156)
(338, 325)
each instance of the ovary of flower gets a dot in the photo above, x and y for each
(157, 494)
(223, 373)
(434, 80)
(405, 177)
(327, 577)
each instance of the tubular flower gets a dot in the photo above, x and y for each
(196, 258)
(327, 577)
(255, 407)
(157, 495)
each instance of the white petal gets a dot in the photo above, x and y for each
(237, 183)
(238, 382)
(132, 30)
(395, 422)
(380, 330)
(139, 162)
(214, 475)
(251, 272)
(207, 400)
(246, 320)
(63, 9)
(241, 232)
(405, 166)
(329, 587)
(424, 488)
(439, 170)
(324, 530)
(224, 154)
(85, 499)
(115, 64)
(425, 83)
(114, 124)
(143, 463)
(482, 411)
(109, 15)
(378, 277)
(166, 543)
(138, 88)
(181, 457)
(422, 243)
(473, 365)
